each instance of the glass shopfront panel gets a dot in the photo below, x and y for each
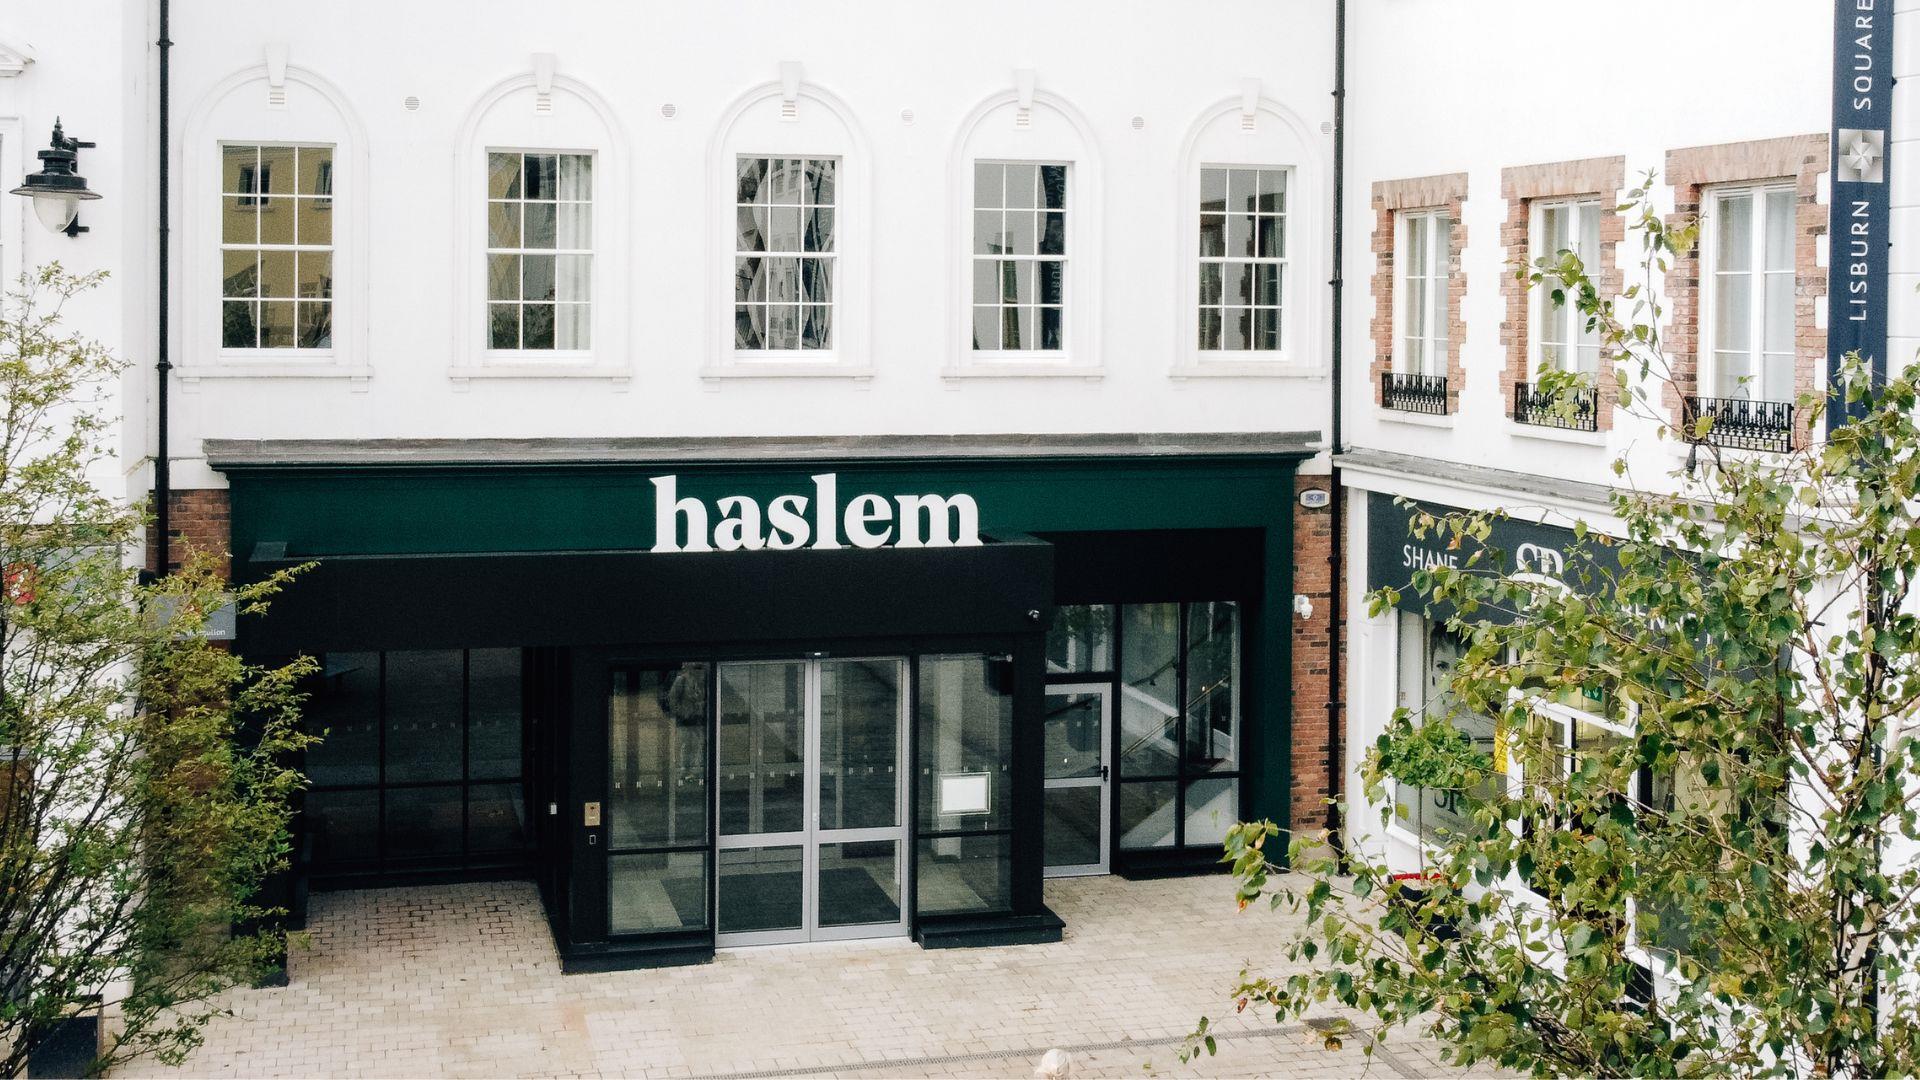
(966, 772)
(658, 798)
(420, 763)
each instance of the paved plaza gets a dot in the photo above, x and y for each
(464, 981)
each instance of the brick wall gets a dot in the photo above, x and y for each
(199, 522)
(1520, 187)
(1799, 158)
(1313, 578)
(1448, 192)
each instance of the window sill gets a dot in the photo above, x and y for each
(527, 370)
(1414, 419)
(1245, 369)
(1024, 369)
(785, 369)
(190, 374)
(1559, 435)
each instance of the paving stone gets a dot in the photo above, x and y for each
(463, 981)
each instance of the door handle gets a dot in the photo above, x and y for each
(1103, 773)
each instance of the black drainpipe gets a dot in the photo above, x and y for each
(1336, 558)
(162, 466)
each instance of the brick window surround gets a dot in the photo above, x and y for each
(1692, 171)
(1601, 178)
(1445, 192)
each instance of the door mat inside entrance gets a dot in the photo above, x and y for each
(849, 896)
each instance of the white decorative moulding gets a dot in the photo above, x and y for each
(14, 59)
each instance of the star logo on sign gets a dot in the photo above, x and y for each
(1863, 155)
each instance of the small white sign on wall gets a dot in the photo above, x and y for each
(965, 793)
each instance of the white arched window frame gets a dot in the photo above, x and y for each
(1271, 137)
(238, 111)
(515, 116)
(812, 123)
(1053, 132)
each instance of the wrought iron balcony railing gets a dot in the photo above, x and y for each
(1741, 423)
(1414, 393)
(1575, 409)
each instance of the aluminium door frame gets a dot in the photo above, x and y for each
(1104, 690)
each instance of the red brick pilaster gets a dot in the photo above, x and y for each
(1312, 686)
(199, 522)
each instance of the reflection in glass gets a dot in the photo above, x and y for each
(423, 821)
(344, 825)
(859, 883)
(425, 697)
(963, 874)
(493, 714)
(1073, 826)
(1213, 806)
(859, 744)
(762, 747)
(1072, 734)
(1213, 699)
(761, 889)
(343, 708)
(1080, 639)
(496, 818)
(1150, 708)
(966, 717)
(657, 755)
(1147, 814)
(657, 892)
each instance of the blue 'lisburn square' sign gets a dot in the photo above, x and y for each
(1862, 117)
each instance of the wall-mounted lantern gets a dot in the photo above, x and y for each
(56, 190)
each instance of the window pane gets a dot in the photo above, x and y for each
(1150, 708)
(859, 746)
(541, 225)
(1210, 283)
(1733, 310)
(237, 329)
(1734, 251)
(986, 326)
(762, 753)
(573, 277)
(1210, 330)
(989, 235)
(503, 176)
(1236, 328)
(314, 277)
(859, 883)
(345, 827)
(277, 325)
(966, 733)
(539, 173)
(494, 714)
(1553, 230)
(751, 180)
(750, 228)
(1779, 229)
(1213, 235)
(657, 892)
(536, 326)
(1052, 328)
(1243, 191)
(749, 326)
(821, 177)
(783, 228)
(424, 821)
(1266, 284)
(239, 273)
(239, 220)
(1213, 191)
(783, 280)
(819, 236)
(315, 325)
(1240, 238)
(816, 281)
(536, 277)
(313, 221)
(239, 166)
(425, 702)
(783, 326)
(503, 326)
(572, 326)
(749, 280)
(1053, 234)
(1053, 284)
(1147, 814)
(657, 756)
(276, 275)
(761, 889)
(1273, 191)
(496, 819)
(785, 180)
(1213, 807)
(277, 170)
(503, 224)
(1023, 186)
(1017, 328)
(1022, 225)
(1590, 238)
(503, 277)
(964, 874)
(1266, 329)
(989, 185)
(1053, 187)
(1777, 318)
(576, 177)
(1213, 693)
(1415, 308)
(1239, 282)
(276, 220)
(1080, 639)
(986, 281)
(574, 226)
(343, 708)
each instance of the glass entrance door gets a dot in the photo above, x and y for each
(810, 800)
(1077, 790)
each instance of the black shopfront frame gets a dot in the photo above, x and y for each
(577, 614)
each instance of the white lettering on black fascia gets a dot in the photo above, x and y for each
(1857, 272)
(1863, 58)
(868, 521)
(1415, 557)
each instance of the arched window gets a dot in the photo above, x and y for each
(1026, 233)
(1252, 252)
(788, 236)
(541, 244)
(274, 246)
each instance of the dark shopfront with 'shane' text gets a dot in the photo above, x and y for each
(730, 692)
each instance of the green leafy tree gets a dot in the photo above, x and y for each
(1746, 835)
(143, 791)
